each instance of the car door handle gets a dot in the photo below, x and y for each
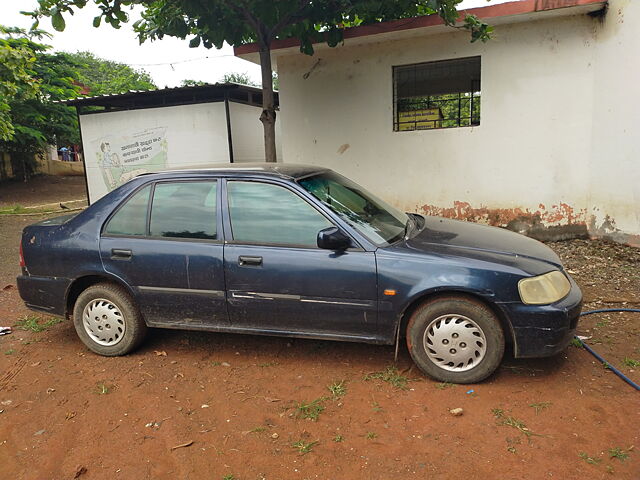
(121, 254)
(244, 261)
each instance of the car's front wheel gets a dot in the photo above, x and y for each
(107, 320)
(455, 339)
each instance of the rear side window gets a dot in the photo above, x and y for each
(184, 210)
(268, 214)
(131, 218)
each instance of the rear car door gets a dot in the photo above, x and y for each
(278, 280)
(164, 242)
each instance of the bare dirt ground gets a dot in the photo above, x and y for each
(215, 406)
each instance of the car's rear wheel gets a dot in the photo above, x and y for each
(107, 320)
(455, 339)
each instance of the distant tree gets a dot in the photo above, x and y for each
(33, 118)
(103, 77)
(192, 83)
(16, 81)
(237, 22)
(242, 78)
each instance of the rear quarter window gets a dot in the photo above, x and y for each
(131, 218)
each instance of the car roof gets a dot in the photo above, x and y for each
(282, 170)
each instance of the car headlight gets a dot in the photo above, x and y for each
(544, 289)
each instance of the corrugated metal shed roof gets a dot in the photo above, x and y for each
(136, 99)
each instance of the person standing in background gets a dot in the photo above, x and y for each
(65, 154)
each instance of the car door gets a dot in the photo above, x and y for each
(278, 280)
(165, 243)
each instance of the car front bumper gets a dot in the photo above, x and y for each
(544, 330)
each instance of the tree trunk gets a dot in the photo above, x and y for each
(268, 117)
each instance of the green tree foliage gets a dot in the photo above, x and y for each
(16, 61)
(213, 22)
(242, 78)
(192, 83)
(33, 117)
(102, 77)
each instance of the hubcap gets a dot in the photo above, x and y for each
(103, 322)
(455, 343)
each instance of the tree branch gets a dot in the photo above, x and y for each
(288, 18)
(263, 37)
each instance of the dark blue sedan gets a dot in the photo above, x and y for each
(290, 250)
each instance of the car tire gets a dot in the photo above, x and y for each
(455, 339)
(107, 320)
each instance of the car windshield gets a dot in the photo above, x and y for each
(375, 219)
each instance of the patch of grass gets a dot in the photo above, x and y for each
(258, 430)
(12, 210)
(602, 323)
(540, 406)
(34, 323)
(497, 412)
(11, 351)
(303, 447)
(618, 453)
(518, 424)
(606, 366)
(445, 385)
(338, 438)
(216, 364)
(630, 362)
(229, 476)
(375, 406)
(371, 435)
(311, 410)
(511, 422)
(590, 460)
(575, 342)
(337, 389)
(103, 389)
(390, 375)
(19, 209)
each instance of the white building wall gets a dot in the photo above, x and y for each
(538, 150)
(614, 196)
(121, 145)
(247, 133)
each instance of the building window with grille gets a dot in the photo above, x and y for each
(441, 94)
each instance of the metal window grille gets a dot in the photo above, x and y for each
(441, 94)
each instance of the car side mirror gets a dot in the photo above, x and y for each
(333, 238)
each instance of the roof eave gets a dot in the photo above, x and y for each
(504, 13)
(98, 100)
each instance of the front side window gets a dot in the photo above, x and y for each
(441, 94)
(372, 217)
(131, 218)
(184, 210)
(269, 214)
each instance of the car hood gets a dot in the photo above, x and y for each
(459, 235)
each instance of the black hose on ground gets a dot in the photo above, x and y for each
(604, 362)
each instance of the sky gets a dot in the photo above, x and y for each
(168, 61)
